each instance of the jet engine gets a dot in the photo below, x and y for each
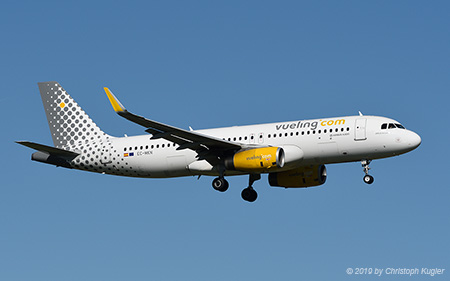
(300, 177)
(256, 159)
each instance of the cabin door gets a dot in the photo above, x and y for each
(360, 129)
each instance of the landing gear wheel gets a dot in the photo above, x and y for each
(368, 179)
(220, 184)
(249, 194)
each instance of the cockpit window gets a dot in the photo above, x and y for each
(384, 126)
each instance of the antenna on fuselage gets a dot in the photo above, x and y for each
(360, 114)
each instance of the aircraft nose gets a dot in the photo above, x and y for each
(414, 140)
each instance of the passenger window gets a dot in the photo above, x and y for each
(384, 126)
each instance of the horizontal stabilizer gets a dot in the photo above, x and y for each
(49, 149)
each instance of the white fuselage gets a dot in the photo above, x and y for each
(322, 141)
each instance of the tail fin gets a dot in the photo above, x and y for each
(69, 124)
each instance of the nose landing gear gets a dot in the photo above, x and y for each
(367, 178)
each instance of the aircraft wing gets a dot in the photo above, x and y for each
(186, 139)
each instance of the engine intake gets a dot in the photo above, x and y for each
(256, 160)
(300, 177)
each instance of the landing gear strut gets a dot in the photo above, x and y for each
(249, 194)
(367, 178)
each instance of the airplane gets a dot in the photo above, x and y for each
(293, 154)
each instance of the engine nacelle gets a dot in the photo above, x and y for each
(300, 177)
(256, 160)
(293, 156)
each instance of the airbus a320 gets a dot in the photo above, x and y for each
(293, 154)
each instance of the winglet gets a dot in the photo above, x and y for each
(118, 107)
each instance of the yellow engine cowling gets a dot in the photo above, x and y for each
(300, 177)
(256, 160)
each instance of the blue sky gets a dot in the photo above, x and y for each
(221, 63)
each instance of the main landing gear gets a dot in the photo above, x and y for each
(248, 194)
(367, 178)
(220, 184)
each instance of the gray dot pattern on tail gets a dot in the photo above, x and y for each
(73, 129)
(69, 124)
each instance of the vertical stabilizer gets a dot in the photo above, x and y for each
(69, 124)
